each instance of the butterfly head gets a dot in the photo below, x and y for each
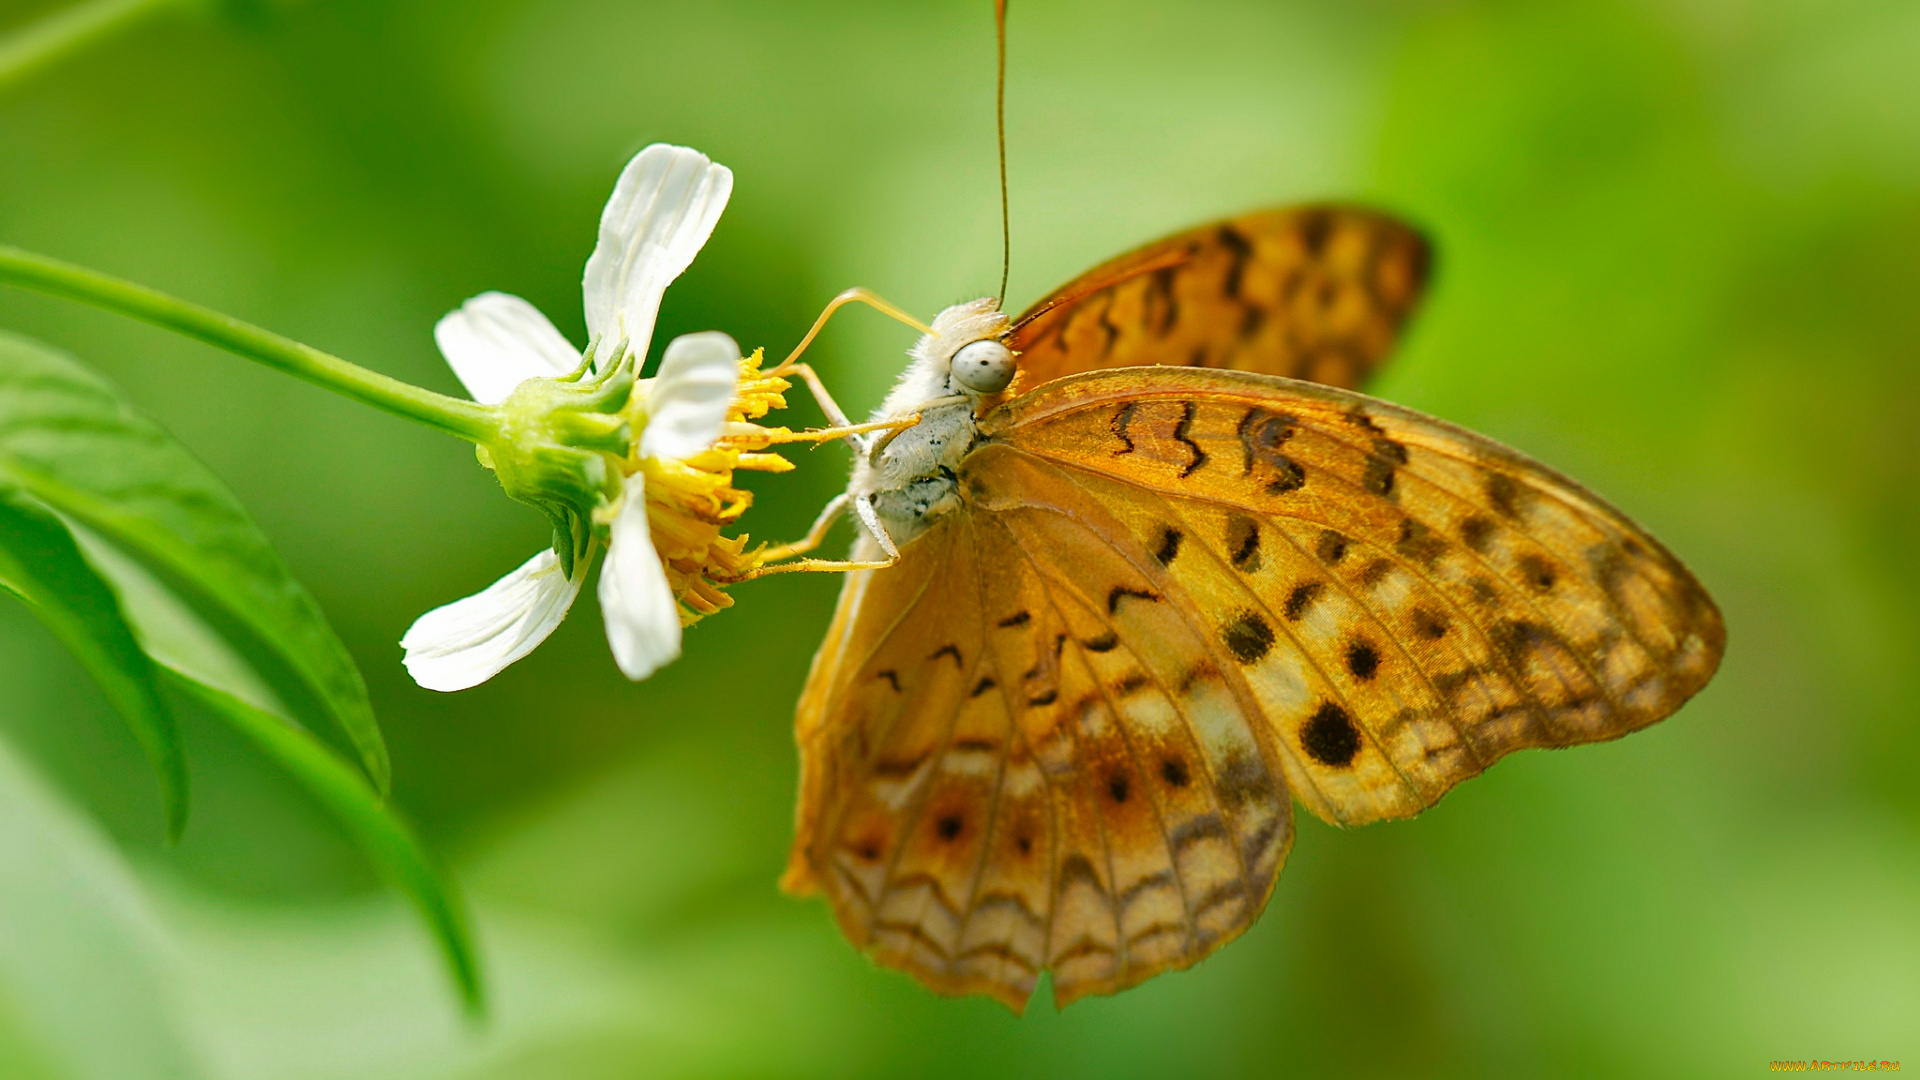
(965, 352)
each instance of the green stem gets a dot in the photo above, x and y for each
(60, 35)
(455, 416)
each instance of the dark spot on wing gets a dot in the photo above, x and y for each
(1505, 494)
(1539, 572)
(1244, 780)
(1104, 643)
(1372, 573)
(1118, 788)
(948, 650)
(1331, 547)
(1241, 249)
(1608, 567)
(1174, 771)
(948, 826)
(1378, 477)
(1517, 637)
(1315, 227)
(1024, 843)
(1419, 543)
(1196, 673)
(1077, 866)
(891, 676)
(1300, 599)
(1288, 476)
(1251, 320)
(1330, 737)
(1362, 660)
(1128, 684)
(1262, 434)
(1182, 434)
(1122, 592)
(1243, 543)
(897, 766)
(1429, 624)
(1107, 327)
(1381, 462)
(1047, 698)
(1360, 419)
(1120, 421)
(1195, 829)
(1017, 619)
(985, 684)
(1477, 532)
(1248, 637)
(1160, 285)
(1170, 538)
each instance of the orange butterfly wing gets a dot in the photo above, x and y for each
(1004, 773)
(1407, 601)
(1313, 292)
(1062, 731)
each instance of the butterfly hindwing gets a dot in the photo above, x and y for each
(1146, 744)
(1057, 781)
(1311, 292)
(1407, 602)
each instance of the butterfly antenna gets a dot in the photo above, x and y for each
(1000, 126)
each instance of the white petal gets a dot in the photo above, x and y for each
(469, 641)
(494, 342)
(663, 209)
(687, 402)
(643, 622)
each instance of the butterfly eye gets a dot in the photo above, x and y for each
(984, 367)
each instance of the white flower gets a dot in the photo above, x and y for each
(662, 210)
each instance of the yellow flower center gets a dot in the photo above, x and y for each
(690, 501)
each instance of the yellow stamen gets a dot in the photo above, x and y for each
(689, 502)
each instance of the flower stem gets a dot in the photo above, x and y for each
(71, 30)
(464, 419)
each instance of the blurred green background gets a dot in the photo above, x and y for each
(1679, 257)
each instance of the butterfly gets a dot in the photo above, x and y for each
(1146, 570)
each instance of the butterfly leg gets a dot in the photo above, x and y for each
(863, 509)
(842, 427)
(818, 533)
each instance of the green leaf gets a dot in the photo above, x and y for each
(40, 563)
(386, 839)
(195, 660)
(68, 439)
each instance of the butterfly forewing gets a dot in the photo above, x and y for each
(1406, 602)
(1312, 292)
